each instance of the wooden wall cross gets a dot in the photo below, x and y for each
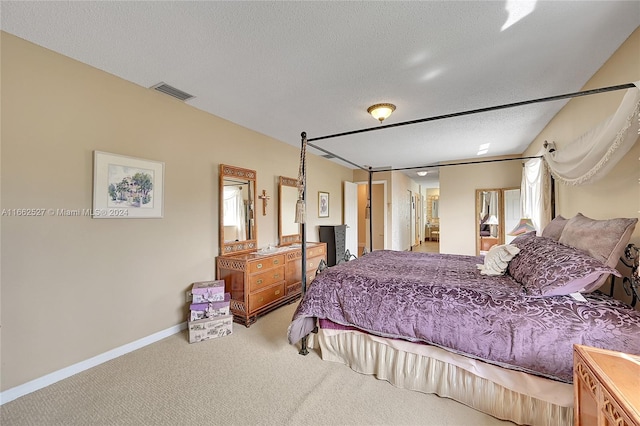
(264, 197)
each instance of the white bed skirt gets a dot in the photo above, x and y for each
(506, 394)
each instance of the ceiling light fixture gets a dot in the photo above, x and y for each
(422, 173)
(381, 111)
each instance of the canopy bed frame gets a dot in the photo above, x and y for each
(535, 397)
(308, 142)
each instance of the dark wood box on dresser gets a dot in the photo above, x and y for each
(260, 283)
(606, 387)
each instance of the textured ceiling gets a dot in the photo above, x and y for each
(281, 68)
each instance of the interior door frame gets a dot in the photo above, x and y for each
(385, 227)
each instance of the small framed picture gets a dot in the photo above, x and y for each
(323, 204)
(127, 187)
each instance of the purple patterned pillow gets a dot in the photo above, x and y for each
(545, 267)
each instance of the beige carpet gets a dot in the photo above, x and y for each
(252, 377)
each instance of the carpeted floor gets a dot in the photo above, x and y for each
(252, 377)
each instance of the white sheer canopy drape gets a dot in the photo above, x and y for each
(584, 160)
(595, 153)
(535, 193)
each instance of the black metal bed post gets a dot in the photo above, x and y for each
(303, 234)
(552, 195)
(370, 210)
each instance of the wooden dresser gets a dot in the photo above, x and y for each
(606, 387)
(260, 283)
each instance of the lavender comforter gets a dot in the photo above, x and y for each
(443, 300)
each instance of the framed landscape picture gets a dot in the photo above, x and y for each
(323, 204)
(127, 187)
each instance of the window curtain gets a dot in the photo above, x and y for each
(535, 193)
(234, 211)
(595, 153)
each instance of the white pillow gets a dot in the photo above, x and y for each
(497, 259)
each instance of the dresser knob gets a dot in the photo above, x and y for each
(259, 266)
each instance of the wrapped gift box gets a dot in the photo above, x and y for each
(210, 309)
(208, 291)
(210, 328)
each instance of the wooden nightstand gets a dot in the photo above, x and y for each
(606, 387)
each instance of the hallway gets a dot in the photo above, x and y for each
(428, 247)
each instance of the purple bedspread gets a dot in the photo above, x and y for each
(443, 300)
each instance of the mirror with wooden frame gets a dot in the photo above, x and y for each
(489, 219)
(497, 212)
(288, 230)
(238, 230)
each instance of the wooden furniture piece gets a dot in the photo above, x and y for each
(334, 236)
(260, 282)
(487, 242)
(606, 387)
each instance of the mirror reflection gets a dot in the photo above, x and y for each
(488, 219)
(237, 210)
(497, 213)
(289, 231)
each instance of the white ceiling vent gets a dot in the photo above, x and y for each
(172, 91)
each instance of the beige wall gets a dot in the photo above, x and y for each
(618, 193)
(457, 205)
(76, 287)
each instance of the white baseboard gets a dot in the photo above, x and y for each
(44, 381)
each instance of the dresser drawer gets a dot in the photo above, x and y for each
(312, 264)
(266, 296)
(266, 278)
(310, 277)
(266, 263)
(316, 251)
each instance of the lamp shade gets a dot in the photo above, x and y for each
(381, 111)
(525, 225)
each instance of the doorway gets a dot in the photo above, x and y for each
(378, 213)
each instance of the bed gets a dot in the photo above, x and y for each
(493, 332)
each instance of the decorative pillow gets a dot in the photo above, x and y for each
(497, 259)
(604, 240)
(545, 267)
(554, 228)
